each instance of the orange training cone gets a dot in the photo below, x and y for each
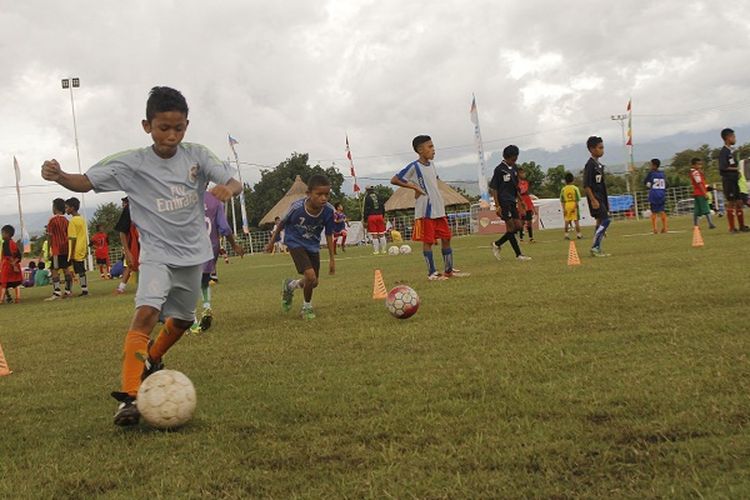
(4, 370)
(573, 258)
(697, 238)
(378, 288)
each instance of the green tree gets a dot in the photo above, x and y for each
(107, 215)
(274, 184)
(534, 175)
(554, 180)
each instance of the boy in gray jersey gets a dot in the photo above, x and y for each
(165, 184)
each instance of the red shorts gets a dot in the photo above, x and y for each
(375, 224)
(430, 230)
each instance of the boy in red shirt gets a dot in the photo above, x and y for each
(700, 205)
(11, 275)
(526, 208)
(100, 242)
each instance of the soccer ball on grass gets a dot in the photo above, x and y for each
(393, 250)
(166, 399)
(402, 302)
(405, 249)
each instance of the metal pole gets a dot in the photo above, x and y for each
(78, 158)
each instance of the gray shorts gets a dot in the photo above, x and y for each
(172, 290)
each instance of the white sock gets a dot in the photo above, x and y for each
(376, 245)
(122, 286)
(206, 305)
(306, 305)
(383, 243)
(294, 284)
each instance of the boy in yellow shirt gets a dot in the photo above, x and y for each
(77, 242)
(570, 196)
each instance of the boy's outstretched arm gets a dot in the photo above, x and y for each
(225, 191)
(79, 183)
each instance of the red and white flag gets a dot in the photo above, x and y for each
(630, 123)
(351, 165)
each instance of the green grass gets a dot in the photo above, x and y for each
(623, 377)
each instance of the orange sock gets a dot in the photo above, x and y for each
(664, 221)
(136, 344)
(653, 221)
(730, 218)
(740, 217)
(168, 335)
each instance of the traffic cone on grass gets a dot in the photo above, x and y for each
(573, 258)
(379, 291)
(697, 238)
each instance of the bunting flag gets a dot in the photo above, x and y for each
(243, 209)
(351, 165)
(24, 234)
(481, 179)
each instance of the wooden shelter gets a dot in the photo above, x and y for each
(296, 192)
(403, 198)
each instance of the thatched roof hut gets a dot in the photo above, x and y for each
(403, 198)
(296, 192)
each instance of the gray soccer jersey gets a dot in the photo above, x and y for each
(166, 199)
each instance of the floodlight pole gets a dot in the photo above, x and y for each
(70, 84)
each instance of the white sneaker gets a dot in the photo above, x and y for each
(457, 273)
(523, 258)
(436, 277)
(495, 250)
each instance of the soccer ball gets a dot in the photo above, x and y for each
(402, 302)
(166, 399)
(393, 250)
(405, 249)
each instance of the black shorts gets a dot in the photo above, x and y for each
(508, 211)
(79, 267)
(102, 262)
(11, 284)
(599, 213)
(731, 189)
(304, 260)
(529, 215)
(60, 262)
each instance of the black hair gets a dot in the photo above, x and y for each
(593, 141)
(8, 229)
(511, 151)
(656, 162)
(569, 177)
(32, 265)
(696, 161)
(59, 205)
(339, 204)
(41, 265)
(317, 180)
(419, 140)
(74, 203)
(726, 133)
(163, 99)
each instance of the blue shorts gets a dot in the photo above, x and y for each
(657, 206)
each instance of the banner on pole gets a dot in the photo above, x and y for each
(351, 165)
(481, 179)
(243, 209)
(24, 234)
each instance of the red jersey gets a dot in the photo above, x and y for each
(101, 245)
(10, 267)
(698, 181)
(57, 229)
(523, 189)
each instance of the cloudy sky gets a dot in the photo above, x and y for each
(297, 75)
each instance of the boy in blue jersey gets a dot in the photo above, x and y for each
(303, 224)
(165, 183)
(596, 192)
(656, 182)
(430, 220)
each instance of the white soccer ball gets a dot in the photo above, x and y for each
(393, 250)
(166, 399)
(402, 302)
(405, 249)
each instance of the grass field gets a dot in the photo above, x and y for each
(623, 377)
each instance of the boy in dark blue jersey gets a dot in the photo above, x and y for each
(656, 182)
(596, 192)
(730, 177)
(504, 187)
(306, 220)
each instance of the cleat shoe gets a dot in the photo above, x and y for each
(598, 253)
(523, 258)
(149, 365)
(496, 250)
(195, 329)
(287, 294)
(579, 236)
(436, 277)
(307, 313)
(127, 412)
(53, 297)
(206, 319)
(456, 273)
(84, 294)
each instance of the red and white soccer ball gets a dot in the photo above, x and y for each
(402, 302)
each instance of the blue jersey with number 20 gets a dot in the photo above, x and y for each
(657, 184)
